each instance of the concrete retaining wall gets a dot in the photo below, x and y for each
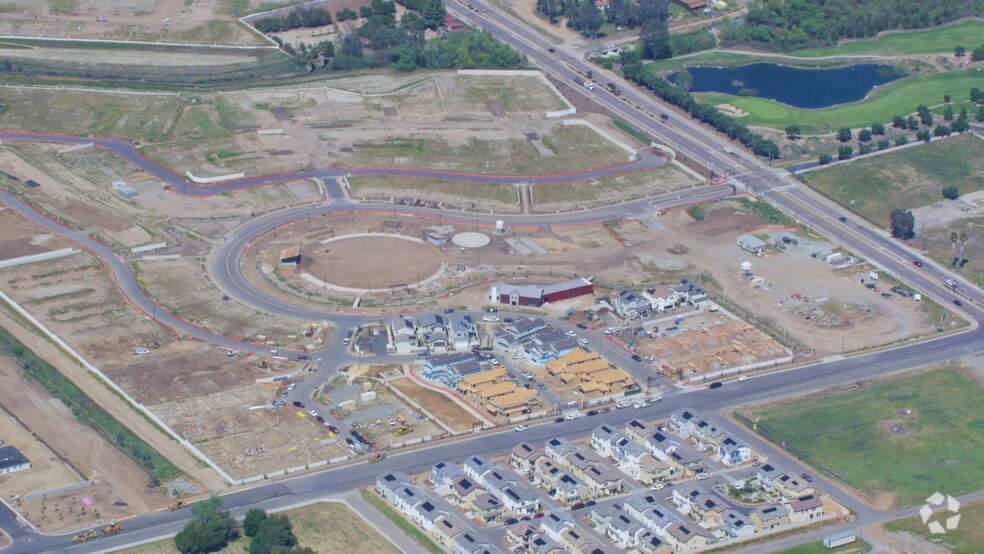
(38, 257)
(59, 490)
(148, 248)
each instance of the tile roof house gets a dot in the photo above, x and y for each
(769, 517)
(805, 508)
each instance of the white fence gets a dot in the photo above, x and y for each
(216, 179)
(38, 257)
(148, 248)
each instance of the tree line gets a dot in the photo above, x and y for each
(211, 529)
(706, 113)
(796, 24)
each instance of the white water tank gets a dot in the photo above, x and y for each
(500, 226)
(746, 267)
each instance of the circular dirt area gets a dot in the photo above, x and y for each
(372, 262)
(471, 240)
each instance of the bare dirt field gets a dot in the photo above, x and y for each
(497, 197)
(239, 430)
(436, 403)
(20, 238)
(199, 22)
(358, 261)
(65, 452)
(180, 287)
(606, 190)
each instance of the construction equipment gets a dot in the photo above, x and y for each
(112, 529)
(377, 457)
(85, 536)
(154, 345)
(264, 364)
(178, 505)
(403, 430)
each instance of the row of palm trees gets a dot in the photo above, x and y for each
(954, 239)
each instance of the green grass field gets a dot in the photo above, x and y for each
(968, 537)
(897, 98)
(906, 178)
(326, 527)
(863, 438)
(940, 40)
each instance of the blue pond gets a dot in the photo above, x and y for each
(802, 88)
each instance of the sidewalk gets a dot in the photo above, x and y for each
(381, 523)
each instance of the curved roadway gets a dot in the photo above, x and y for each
(226, 268)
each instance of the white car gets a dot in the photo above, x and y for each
(391, 422)
(703, 476)
(623, 404)
(313, 413)
(570, 333)
(743, 378)
(521, 428)
(572, 416)
(292, 386)
(583, 341)
(658, 485)
(345, 341)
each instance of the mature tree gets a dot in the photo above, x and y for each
(960, 124)
(588, 19)
(959, 51)
(903, 224)
(792, 132)
(923, 135)
(925, 116)
(898, 122)
(209, 530)
(274, 535)
(864, 135)
(912, 123)
(884, 143)
(877, 128)
(941, 131)
(656, 40)
(844, 134)
(621, 13)
(950, 192)
(946, 97)
(980, 114)
(864, 149)
(963, 239)
(844, 152)
(825, 158)
(901, 140)
(953, 247)
(433, 13)
(976, 95)
(948, 112)
(978, 54)
(684, 79)
(346, 14)
(252, 521)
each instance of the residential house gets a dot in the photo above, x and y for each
(388, 483)
(602, 439)
(461, 330)
(805, 508)
(442, 475)
(486, 507)
(624, 530)
(690, 292)
(605, 382)
(447, 530)
(732, 452)
(523, 457)
(516, 498)
(403, 336)
(686, 537)
(406, 498)
(549, 344)
(682, 422)
(451, 368)
(426, 514)
(639, 503)
(631, 305)
(578, 541)
(685, 460)
(736, 525)
(518, 331)
(638, 430)
(554, 523)
(463, 491)
(653, 544)
(767, 474)
(661, 298)
(791, 486)
(516, 402)
(11, 460)
(708, 510)
(658, 519)
(521, 534)
(707, 434)
(769, 517)
(573, 359)
(469, 543)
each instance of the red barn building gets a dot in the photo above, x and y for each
(535, 295)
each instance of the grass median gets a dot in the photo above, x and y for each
(409, 528)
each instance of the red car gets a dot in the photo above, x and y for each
(917, 263)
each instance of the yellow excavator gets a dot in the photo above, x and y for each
(377, 457)
(178, 505)
(112, 529)
(84, 537)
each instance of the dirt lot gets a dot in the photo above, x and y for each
(20, 238)
(436, 403)
(239, 430)
(615, 188)
(180, 287)
(358, 261)
(198, 22)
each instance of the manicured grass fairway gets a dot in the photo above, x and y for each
(907, 178)
(848, 435)
(968, 537)
(940, 40)
(897, 98)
